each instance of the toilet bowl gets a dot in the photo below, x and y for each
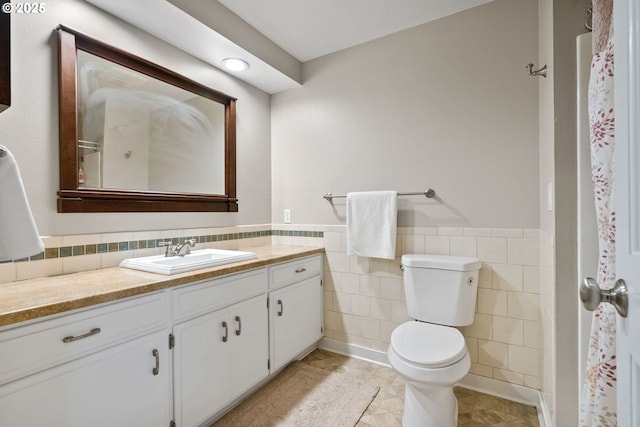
(429, 352)
(431, 359)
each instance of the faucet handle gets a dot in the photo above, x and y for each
(169, 251)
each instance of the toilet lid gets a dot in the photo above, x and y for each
(433, 346)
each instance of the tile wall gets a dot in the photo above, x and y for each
(364, 298)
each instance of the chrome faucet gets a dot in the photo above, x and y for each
(170, 250)
(190, 243)
(177, 250)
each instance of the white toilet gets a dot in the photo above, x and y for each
(429, 352)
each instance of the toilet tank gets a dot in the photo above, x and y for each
(441, 289)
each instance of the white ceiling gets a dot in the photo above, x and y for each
(307, 29)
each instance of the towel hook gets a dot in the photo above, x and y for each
(540, 72)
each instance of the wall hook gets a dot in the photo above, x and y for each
(541, 72)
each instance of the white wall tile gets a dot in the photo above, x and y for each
(508, 376)
(531, 334)
(450, 231)
(492, 249)
(482, 370)
(33, 269)
(524, 360)
(507, 330)
(523, 306)
(8, 272)
(380, 308)
(463, 246)
(370, 286)
(491, 301)
(386, 329)
(398, 312)
(481, 327)
(360, 305)
(391, 289)
(523, 251)
(438, 245)
(484, 232)
(370, 328)
(494, 354)
(508, 277)
(412, 244)
(507, 232)
(531, 279)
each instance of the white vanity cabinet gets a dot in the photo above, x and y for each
(221, 354)
(99, 367)
(296, 309)
(178, 357)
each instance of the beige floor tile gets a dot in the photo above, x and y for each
(474, 409)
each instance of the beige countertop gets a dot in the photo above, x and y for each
(33, 298)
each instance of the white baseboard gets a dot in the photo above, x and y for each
(514, 392)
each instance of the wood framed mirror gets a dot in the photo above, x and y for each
(137, 137)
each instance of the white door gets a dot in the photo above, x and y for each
(627, 178)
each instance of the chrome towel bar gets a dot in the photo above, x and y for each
(429, 193)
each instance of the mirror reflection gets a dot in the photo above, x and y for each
(140, 133)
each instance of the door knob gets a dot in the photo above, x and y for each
(591, 295)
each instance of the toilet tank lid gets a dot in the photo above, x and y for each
(442, 262)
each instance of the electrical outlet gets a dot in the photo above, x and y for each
(287, 216)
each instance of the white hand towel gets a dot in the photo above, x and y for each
(19, 237)
(372, 224)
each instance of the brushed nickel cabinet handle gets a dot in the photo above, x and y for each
(72, 338)
(239, 321)
(156, 354)
(281, 309)
(225, 337)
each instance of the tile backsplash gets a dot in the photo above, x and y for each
(74, 253)
(364, 299)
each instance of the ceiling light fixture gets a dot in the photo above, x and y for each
(235, 64)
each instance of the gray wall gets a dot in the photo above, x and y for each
(29, 127)
(446, 105)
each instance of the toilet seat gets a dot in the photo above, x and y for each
(428, 345)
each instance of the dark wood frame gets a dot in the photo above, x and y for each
(72, 197)
(5, 59)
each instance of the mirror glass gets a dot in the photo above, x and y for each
(137, 137)
(139, 133)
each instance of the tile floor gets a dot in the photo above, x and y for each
(474, 408)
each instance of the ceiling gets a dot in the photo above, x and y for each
(307, 29)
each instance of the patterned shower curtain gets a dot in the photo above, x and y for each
(598, 401)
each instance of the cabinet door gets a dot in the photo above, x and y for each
(117, 386)
(295, 320)
(249, 343)
(218, 357)
(201, 367)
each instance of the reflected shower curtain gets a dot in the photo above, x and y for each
(598, 400)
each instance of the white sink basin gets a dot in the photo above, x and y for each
(202, 258)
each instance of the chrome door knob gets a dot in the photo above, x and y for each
(591, 295)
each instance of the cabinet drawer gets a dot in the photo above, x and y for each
(203, 297)
(294, 271)
(37, 346)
